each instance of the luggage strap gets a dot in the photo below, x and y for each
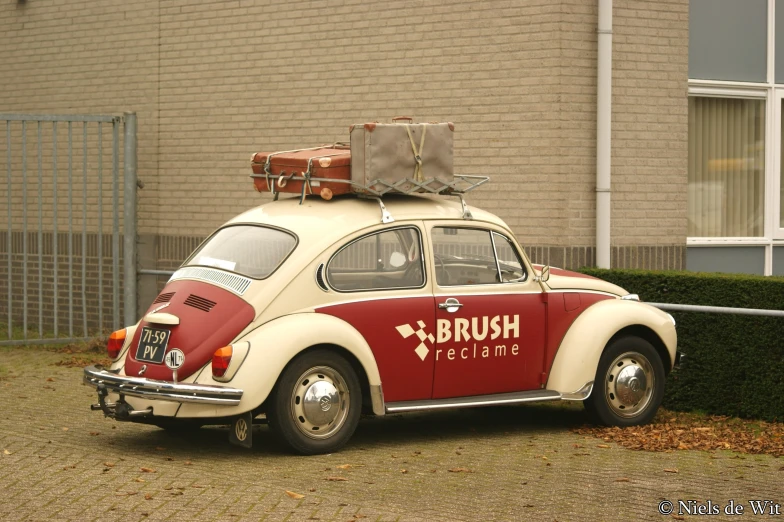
(418, 174)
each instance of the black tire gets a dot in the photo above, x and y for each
(314, 381)
(629, 384)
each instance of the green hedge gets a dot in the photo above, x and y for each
(735, 363)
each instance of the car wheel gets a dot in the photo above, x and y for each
(316, 404)
(629, 383)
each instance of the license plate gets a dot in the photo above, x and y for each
(152, 344)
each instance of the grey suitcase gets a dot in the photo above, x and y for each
(402, 157)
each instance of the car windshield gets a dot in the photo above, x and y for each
(250, 250)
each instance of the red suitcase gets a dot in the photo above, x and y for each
(304, 171)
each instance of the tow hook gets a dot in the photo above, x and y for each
(108, 408)
(119, 410)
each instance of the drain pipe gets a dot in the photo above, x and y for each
(603, 138)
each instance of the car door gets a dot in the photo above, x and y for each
(490, 316)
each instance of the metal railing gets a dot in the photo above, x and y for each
(57, 287)
(718, 309)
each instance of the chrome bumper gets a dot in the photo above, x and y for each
(103, 379)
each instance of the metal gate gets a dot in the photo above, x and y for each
(67, 224)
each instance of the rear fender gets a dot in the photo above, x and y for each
(578, 355)
(272, 346)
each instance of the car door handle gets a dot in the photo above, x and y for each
(450, 305)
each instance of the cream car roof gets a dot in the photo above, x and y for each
(320, 221)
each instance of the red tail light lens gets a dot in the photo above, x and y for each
(115, 344)
(220, 360)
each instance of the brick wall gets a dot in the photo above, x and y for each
(213, 81)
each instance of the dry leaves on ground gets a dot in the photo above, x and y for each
(294, 495)
(688, 431)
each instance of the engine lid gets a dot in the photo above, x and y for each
(209, 317)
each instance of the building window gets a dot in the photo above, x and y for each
(736, 136)
(728, 40)
(726, 167)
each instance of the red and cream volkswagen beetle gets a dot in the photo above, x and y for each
(311, 314)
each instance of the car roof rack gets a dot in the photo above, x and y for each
(460, 184)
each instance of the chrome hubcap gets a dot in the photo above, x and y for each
(629, 384)
(319, 402)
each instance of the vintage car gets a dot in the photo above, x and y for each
(309, 313)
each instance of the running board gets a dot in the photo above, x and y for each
(478, 400)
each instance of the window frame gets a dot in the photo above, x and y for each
(491, 232)
(375, 233)
(258, 225)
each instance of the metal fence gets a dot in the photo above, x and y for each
(65, 210)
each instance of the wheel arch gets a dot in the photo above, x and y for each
(577, 357)
(644, 332)
(275, 344)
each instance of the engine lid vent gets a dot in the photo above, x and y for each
(199, 302)
(163, 298)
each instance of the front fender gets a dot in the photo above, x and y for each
(272, 346)
(578, 355)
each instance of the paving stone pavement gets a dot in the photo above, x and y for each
(61, 461)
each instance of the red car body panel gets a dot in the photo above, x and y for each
(405, 374)
(210, 317)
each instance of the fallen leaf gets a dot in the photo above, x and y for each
(176, 493)
(294, 495)
(137, 479)
(460, 470)
(108, 464)
(603, 446)
(677, 517)
(65, 429)
(147, 470)
(49, 379)
(403, 471)
(670, 470)
(337, 479)
(147, 496)
(6, 452)
(622, 479)
(312, 490)
(344, 466)
(94, 433)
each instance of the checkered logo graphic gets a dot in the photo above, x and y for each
(407, 331)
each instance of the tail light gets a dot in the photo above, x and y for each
(115, 344)
(220, 360)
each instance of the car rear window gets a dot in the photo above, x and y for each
(249, 250)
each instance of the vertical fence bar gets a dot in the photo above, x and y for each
(84, 229)
(55, 270)
(115, 226)
(24, 230)
(40, 237)
(8, 237)
(129, 217)
(70, 230)
(100, 226)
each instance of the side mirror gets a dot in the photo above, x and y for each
(545, 274)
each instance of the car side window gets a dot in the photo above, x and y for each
(383, 260)
(509, 262)
(467, 256)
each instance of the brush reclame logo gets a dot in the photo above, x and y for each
(407, 331)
